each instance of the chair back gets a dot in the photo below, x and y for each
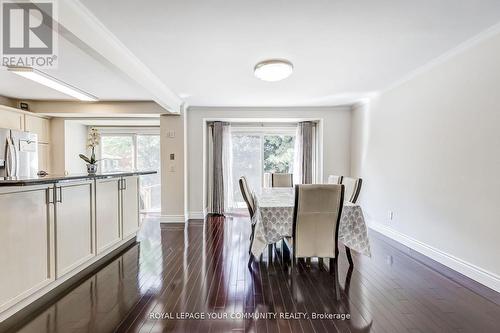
(281, 180)
(247, 195)
(333, 179)
(352, 188)
(318, 208)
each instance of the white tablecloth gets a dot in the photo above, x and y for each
(273, 221)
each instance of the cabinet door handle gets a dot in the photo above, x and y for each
(49, 196)
(124, 184)
(60, 194)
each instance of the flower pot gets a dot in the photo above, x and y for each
(91, 169)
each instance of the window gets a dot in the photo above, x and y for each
(278, 153)
(129, 150)
(246, 162)
(148, 158)
(259, 152)
(117, 153)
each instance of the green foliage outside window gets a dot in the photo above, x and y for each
(278, 153)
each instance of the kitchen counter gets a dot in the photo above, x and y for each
(56, 228)
(52, 179)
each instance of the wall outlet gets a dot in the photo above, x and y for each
(390, 215)
(172, 168)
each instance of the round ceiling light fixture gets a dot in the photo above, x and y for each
(273, 70)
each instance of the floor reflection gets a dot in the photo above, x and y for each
(98, 304)
(200, 269)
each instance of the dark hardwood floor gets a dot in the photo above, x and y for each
(203, 269)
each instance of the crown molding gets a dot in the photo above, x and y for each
(468, 44)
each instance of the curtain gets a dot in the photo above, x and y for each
(210, 168)
(221, 178)
(227, 163)
(304, 153)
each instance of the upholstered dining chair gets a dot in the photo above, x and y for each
(352, 188)
(334, 179)
(316, 220)
(281, 180)
(246, 193)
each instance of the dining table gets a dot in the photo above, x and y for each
(273, 221)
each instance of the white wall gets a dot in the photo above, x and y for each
(8, 101)
(97, 109)
(172, 171)
(75, 143)
(429, 150)
(336, 141)
(68, 140)
(57, 133)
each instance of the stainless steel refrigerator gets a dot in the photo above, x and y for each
(18, 154)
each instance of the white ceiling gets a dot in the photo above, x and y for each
(205, 51)
(80, 68)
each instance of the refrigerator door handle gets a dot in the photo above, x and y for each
(16, 159)
(10, 158)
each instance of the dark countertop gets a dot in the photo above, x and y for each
(52, 179)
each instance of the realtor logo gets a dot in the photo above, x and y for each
(29, 36)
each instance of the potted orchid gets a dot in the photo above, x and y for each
(92, 142)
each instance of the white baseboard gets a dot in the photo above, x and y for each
(172, 219)
(196, 215)
(474, 272)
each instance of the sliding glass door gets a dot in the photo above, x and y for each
(130, 150)
(247, 161)
(258, 153)
(148, 158)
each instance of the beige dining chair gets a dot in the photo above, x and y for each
(334, 179)
(316, 220)
(352, 188)
(281, 180)
(246, 193)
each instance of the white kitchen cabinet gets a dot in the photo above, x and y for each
(11, 119)
(73, 225)
(44, 157)
(38, 125)
(107, 213)
(130, 205)
(49, 233)
(26, 249)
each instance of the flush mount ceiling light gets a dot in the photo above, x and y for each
(273, 70)
(51, 82)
